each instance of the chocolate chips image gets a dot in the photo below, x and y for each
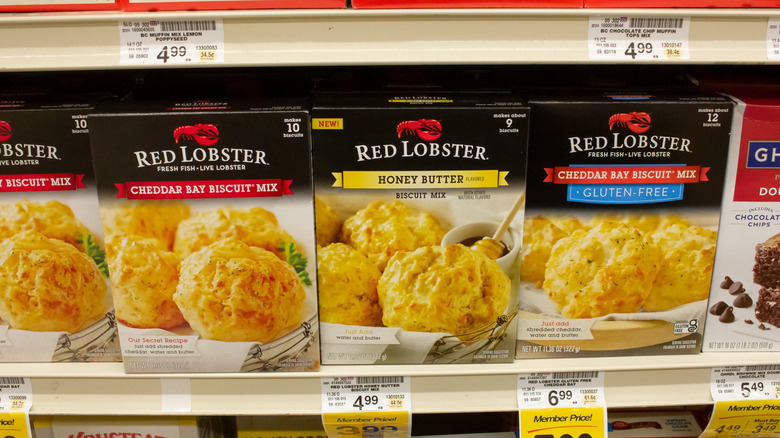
(743, 301)
(718, 308)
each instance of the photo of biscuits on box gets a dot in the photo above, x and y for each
(224, 273)
(392, 264)
(640, 272)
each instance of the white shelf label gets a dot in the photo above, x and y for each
(638, 38)
(367, 405)
(171, 42)
(773, 39)
(754, 382)
(15, 394)
(560, 390)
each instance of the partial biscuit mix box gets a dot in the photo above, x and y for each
(298, 426)
(405, 185)
(62, 426)
(189, 5)
(743, 310)
(438, 4)
(675, 424)
(207, 208)
(624, 195)
(58, 5)
(55, 299)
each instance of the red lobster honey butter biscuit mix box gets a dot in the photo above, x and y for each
(55, 300)
(744, 312)
(624, 194)
(208, 213)
(405, 185)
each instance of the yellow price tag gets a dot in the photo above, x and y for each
(207, 55)
(754, 418)
(391, 424)
(590, 422)
(15, 425)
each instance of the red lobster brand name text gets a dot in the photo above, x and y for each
(200, 155)
(665, 142)
(29, 151)
(455, 150)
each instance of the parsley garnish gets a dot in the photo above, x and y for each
(297, 261)
(93, 250)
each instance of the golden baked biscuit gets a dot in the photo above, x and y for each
(255, 227)
(609, 268)
(539, 236)
(449, 289)
(347, 286)
(686, 267)
(53, 219)
(48, 285)
(383, 228)
(327, 221)
(230, 291)
(648, 223)
(146, 219)
(144, 276)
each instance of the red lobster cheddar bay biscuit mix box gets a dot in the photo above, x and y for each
(743, 310)
(624, 194)
(55, 302)
(208, 216)
(405, 185)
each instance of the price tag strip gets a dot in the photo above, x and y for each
(558, 405)
(164, 42)
(746, 402)
(638, 38)
(15, 404)
(773, 39)
(367, 406)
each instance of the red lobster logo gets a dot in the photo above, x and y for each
(635, 122)
(5, 131)
(426, 129)
(203, 134)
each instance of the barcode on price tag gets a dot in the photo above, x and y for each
(15, 394)
(367, 405)
(638, 38)
(164, 42)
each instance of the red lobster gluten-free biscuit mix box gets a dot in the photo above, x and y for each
(744, 312)
(209, 223)
(405, 185)
(55, 302)
(624, 194)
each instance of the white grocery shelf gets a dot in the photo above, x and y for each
(90, 40)
(104, 388)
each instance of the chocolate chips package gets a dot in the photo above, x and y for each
(743, 312)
